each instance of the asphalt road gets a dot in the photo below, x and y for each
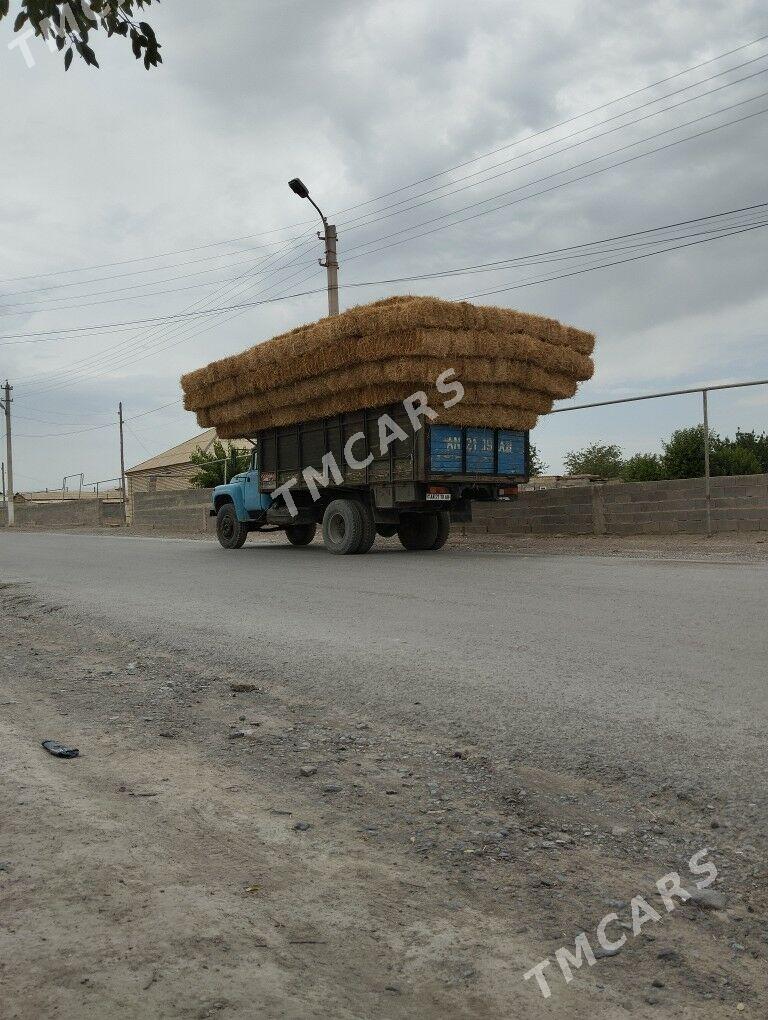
(653, 668)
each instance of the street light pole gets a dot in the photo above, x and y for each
(329, 236)
(6, 404)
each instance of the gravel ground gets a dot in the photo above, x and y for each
(252, 826)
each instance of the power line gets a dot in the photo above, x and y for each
(98, 428)
(350, 224)
(535, 255)
(575, 180)
(416, 183)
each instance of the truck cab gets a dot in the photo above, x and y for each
(242, 493)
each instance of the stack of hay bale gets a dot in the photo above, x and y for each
(512, 365)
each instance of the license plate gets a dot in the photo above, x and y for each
(439, 496)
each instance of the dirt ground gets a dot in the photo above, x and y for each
(220, 850)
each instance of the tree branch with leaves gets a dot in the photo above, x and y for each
(69, 25)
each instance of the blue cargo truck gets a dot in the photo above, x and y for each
(337, 473)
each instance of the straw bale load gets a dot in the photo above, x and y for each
(512, 366)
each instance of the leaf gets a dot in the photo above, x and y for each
(68, 59)
(20, 21)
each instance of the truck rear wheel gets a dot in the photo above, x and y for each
(300, 534)
(230, 532)
(443, 529)
(418, 531)
(369, 529)
(343, 529)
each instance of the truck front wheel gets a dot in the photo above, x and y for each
(230, 532)
(418, 531)
(343, 529)
(300, 534)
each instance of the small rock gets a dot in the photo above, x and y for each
(669, 954)
(707, 899)
(236, 734)
(168, 734)
(652, 1000)
(243, 688)
(619, 830)
(658, 983)
(308, 770)
(332, 788)
(302, 826)
(601, 952)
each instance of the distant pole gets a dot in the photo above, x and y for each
(2, 471)
(6, 402)
(122, 458)
(707, 486)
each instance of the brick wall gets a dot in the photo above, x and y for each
(738, 503)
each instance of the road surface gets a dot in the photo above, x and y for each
(655, 667)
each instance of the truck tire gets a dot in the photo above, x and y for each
(369, 529)
(300, 534)
(343, 527)
(418, 531)
(230, 532)
(386, 530)
(443, 529)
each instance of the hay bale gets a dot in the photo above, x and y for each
(513, 366)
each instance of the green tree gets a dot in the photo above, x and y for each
(684, 452)
(71, 22)
(731, 458)
(537, 465)
(212, 462)
(601, 459)
(757, 444)
(642, 467)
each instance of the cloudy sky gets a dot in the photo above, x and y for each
(133, 195)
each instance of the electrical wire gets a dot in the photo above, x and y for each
(416, 183)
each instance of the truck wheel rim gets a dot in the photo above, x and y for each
(337, 529)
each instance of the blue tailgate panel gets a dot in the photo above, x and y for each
(445, 448)
(480, 451)
(511, 452)
(449, 444)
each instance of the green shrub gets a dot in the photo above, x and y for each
(213, 461)
(601, 459)
(733, 459)
(643, 467)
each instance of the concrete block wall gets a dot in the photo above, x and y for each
(63, 514)
(184, 511)
(738, 503)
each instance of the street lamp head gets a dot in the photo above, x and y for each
(299, 188)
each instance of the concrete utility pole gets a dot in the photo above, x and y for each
(6, 404)
(122, 457)
(329, 236)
